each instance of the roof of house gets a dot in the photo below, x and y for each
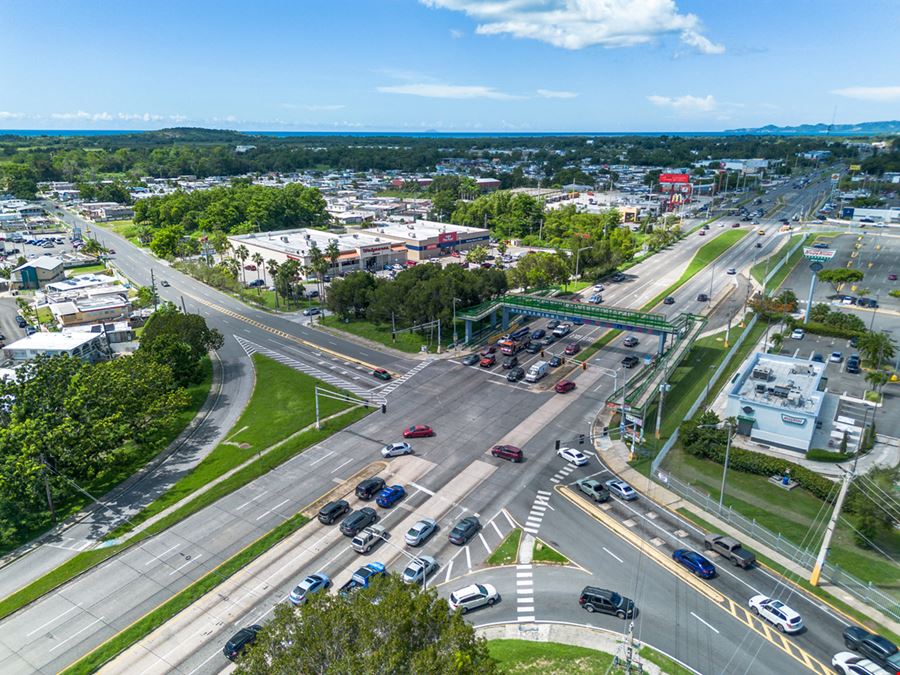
(52, 341)
(45, 262)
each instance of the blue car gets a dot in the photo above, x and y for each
(538, 334)
(694, 563)
(390, 496)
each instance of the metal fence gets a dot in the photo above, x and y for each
(661, 455)
(833, 574)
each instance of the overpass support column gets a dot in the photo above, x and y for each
(494, 318)
(505, 321)
(662, 344)
(468, 331)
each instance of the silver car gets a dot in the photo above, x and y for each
(621, 489)
(419, 533)
(419, 569)
(396, 449)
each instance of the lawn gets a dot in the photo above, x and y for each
(508, 550)
(758, 271)
(86, 269)
(547, 554)
(521, 657)
(406, 342)
(790, 513)
(124, 228)
(283, 402)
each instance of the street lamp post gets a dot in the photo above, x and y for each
(578, 259)
(455, 336)
(731, 431)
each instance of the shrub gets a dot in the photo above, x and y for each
(820, 455)
(826, 329)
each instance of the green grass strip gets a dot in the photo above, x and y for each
(524, 657)
(508, 550)
(85, 561)
(547, 554)
(666, 665)
(156, 618)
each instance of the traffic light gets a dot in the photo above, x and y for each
(384, 408)
(557, 444)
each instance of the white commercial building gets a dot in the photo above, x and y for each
(776, 400)
(86, 346)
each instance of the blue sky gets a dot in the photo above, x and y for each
(447, 65)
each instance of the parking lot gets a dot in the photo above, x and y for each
(839, 380)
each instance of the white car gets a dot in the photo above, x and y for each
(797, 334)
(599, 288)
(776, 612)
(731, 270)
(396, 449)
(472, 597)
(621, 489)
(419, 532)
(572, 455)
(419, 569)
(849, 663)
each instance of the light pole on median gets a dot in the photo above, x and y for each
(578, 259)
(455, 336)
(730, 428)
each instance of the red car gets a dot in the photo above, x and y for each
(892, 277)
(381, 374)
(563, 386)
(488, 361)
(572, 348)
(510, 452)
(418, 431)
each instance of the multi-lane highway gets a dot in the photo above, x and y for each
(472, 410)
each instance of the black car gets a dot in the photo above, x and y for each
(358, 520)
(332, 511)
(555, 362)
(370, 487)
(669, 300)
(595, 599)
(702, 297)
(515, 374)
(20, 320)
(881, 650)
(239, 641)
(510, 362)
(853, 364)
(552, 324)
(618, 276)
(464, 530)
(471, 360)
(533, 347)
(630, 361)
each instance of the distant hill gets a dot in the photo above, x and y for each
(860, 129)
(194, 134)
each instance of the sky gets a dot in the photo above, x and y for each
(447, 65)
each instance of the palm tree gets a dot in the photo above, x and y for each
(258, 260)
(272, 268)
(876, 348)
(333, 252)
(241, 253)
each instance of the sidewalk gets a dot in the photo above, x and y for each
(574, 634)
(616, 458)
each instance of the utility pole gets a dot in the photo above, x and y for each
(47, 486)
(829, 531)
(662, 392)
(631, 661)
(725, 468)
(153, 288)
(455, 337)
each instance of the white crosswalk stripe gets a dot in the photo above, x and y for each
(524, 594)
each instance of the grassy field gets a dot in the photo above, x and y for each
(792, 514)
(283, 402)
(547, 554)
(508, 550)
(86, 269)
(758, 271)
(124, 228)
(521, 657)
(150, 622)
(406, 342)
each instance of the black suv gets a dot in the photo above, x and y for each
(332, 511)
(515, 374)
(630, 361)
(369, 487)
(239, 641)
(595, 599)
(358, 520)
(464, 530)
(881, 650)
(510, 362)
(853, 364)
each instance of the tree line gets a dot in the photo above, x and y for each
(69, 428)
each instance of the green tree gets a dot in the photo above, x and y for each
(170, 350)
(502, 247)
(189, 328)
(318, 264)
(333, 252)
(406, 631)
(242, 253)
(837, 276)
(145, 297)
(351, 296)
(165, 241)
(272, 269)
(876, 348)
(259, 261)
(477, 255)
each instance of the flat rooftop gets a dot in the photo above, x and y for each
(52, 341)
(300, 241)
(781, 382)
(422, 229)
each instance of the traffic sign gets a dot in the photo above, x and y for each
(818, 254)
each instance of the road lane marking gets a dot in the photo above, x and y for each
(53, 649)
(449, 569)
(159, 557)
(484, 541)
(341, 466)
(274, 508)
(705, 623)
(250, 501)
(508, 518)
(423, 489)
(613, 555)
(186, 563)
(330, 453)
(55, 618)
(544, 493)
(496, 529)
(468, 558)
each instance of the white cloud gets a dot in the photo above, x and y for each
(84, 116)
(576, 24)
(686, 104)
(447, 91)
(879, 94)
(456, 34)
(6, 115)
(315, 107)
(550, 93)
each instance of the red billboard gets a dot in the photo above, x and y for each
(674, 178)
(446, 237)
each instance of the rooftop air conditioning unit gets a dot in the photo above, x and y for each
(795, 398)
(761, 373)
(284, 239)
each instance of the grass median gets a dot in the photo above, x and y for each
(107, 651)
(508, 550)
(406, 342)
